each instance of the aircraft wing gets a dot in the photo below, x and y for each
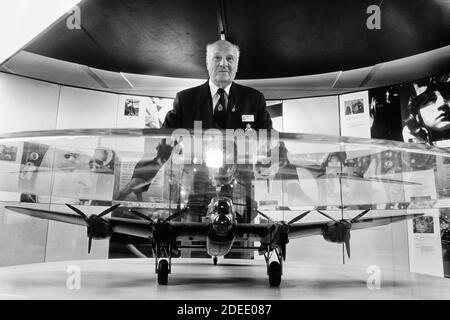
(61, 170)
(135, 227)
(382, 221)
(50, 215)
(384, 180)
(301, 230)
(144, 229)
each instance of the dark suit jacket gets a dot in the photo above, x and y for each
(195, 104)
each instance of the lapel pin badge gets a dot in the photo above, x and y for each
(234, 108)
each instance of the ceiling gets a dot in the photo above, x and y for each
(320, 47)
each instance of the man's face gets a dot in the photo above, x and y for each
(435, 112)
(222, 64)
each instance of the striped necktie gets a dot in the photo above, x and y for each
(220, 110)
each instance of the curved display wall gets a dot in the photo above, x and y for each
(376, 113)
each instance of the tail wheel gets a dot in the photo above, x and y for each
(274, 271)
(163, 272)
(215, 261)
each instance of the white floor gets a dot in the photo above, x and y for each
(200, 279)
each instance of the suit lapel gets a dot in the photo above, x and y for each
(233, 106)
(204, 105)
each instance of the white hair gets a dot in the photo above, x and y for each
(211, 45)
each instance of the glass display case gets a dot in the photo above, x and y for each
(393, 196)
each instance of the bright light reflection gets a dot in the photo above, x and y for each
(214, 158)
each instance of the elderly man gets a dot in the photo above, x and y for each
(220, 102)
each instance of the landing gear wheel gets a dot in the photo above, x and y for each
(163, 272)
(215, 261)
(274, 271)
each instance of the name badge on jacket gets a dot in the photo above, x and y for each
(248, 118)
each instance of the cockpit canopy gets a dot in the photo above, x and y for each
(220, 206)
(223, 207)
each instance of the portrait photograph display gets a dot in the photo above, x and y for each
(60, 174)
(426, 254)
(423, 225)
(8, 153)
(131, 108)
(354, 114)
(424, 112)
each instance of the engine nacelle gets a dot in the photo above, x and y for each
(99, 229)
(337, 232)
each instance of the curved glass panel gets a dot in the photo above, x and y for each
(266, 176)
(284, 170)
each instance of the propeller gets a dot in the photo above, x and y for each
(340, 230)
(324, 214)
(283, 236)
(160, 228)
(347, 245)
(297, 218)
(265, 216)
(355, 219)
(175, 215)
(169, 218)
(97, 227)
(143, 216)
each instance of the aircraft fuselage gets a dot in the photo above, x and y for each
(221, 222)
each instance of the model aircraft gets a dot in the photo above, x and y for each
(220, 231)
(221, 226)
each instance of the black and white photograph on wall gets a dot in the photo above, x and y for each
(141, 179)
(32, 157)
(385, 114)
(151, 116)
(354, 107)
(131, 108)
(66, 175)
(423, 224)
(8, 153)
(444, 222)
(103, 161)
(354, 114)
(159, 107)
(426, 110)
